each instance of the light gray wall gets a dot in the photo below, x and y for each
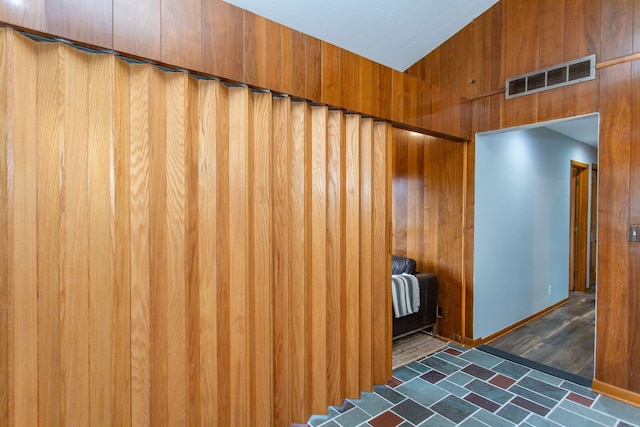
(521, 224)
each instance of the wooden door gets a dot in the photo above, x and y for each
(579, 195)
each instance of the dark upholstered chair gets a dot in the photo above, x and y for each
(425, 318)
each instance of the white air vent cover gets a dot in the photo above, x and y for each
(579, 70)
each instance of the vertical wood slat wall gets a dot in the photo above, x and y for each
(175, 247)
(219, 39)
(515, 37)
(427, 220)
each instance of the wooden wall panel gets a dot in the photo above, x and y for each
(255, 47)
(238, 249)
(178, 254)
(381, 270)
(521, 36)
(613, 362)
(4, 243)
(88, 22)
(348, 83)
(99, 140)
(181, 33)
(352, 255)
(261, 236)
(274, 56)
(220, 119)
(293, 62)
(140, 234)
(427, 214)
(336, 293)
(136, 28)
(330, 63)
(366, 253)
(222, 33)
(120, 227)
(211, 100)
(282, 337)
(21, 182)
(617, 17)
(313, 68)
(158, 251)
(224, 41)
(50, 155)
(34, 18)
(299, 231)
(190, 241)
(634, 218)
(317, 296)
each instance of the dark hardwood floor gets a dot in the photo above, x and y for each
(562, 339)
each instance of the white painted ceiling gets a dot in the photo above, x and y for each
(395, 33)
(583, 129)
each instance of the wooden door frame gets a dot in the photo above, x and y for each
(593, 226)
(578, 227)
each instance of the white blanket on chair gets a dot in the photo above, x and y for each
(405, 293)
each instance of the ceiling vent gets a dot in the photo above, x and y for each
(579, 70)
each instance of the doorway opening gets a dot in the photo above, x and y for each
(578, 227)
(529, 261)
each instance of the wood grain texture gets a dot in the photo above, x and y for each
(427, 221)
(50, 142)
(551, 18)
(4, 243)
(209, 96)
(366, 253)
(335, 254)
(380, 270)
(238, 250)
(299, 255)
(562, 338)
(260, 243)
(136, 28)
(312, 68)
(348, 83)
(274, 52)
(293, 62)
(158, 250)
(177, 224)
(317, 297)
(286, 61)
(352, 255)
(75, 241)
(177, 140)
(181, 33)
(222, 33)
(617, 17)
(587, 26)
(86, 22)
(223, 263)
(140, 234)
(100, 102)
(383, 91)
(613, 310)
(225, 41)
(282, 335)
(192, 282)
(34, 18)
(255, 50)
(330, 62)
(22, 225)
(566, 30)
(120, 225)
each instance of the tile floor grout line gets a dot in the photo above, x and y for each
(480, 414)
